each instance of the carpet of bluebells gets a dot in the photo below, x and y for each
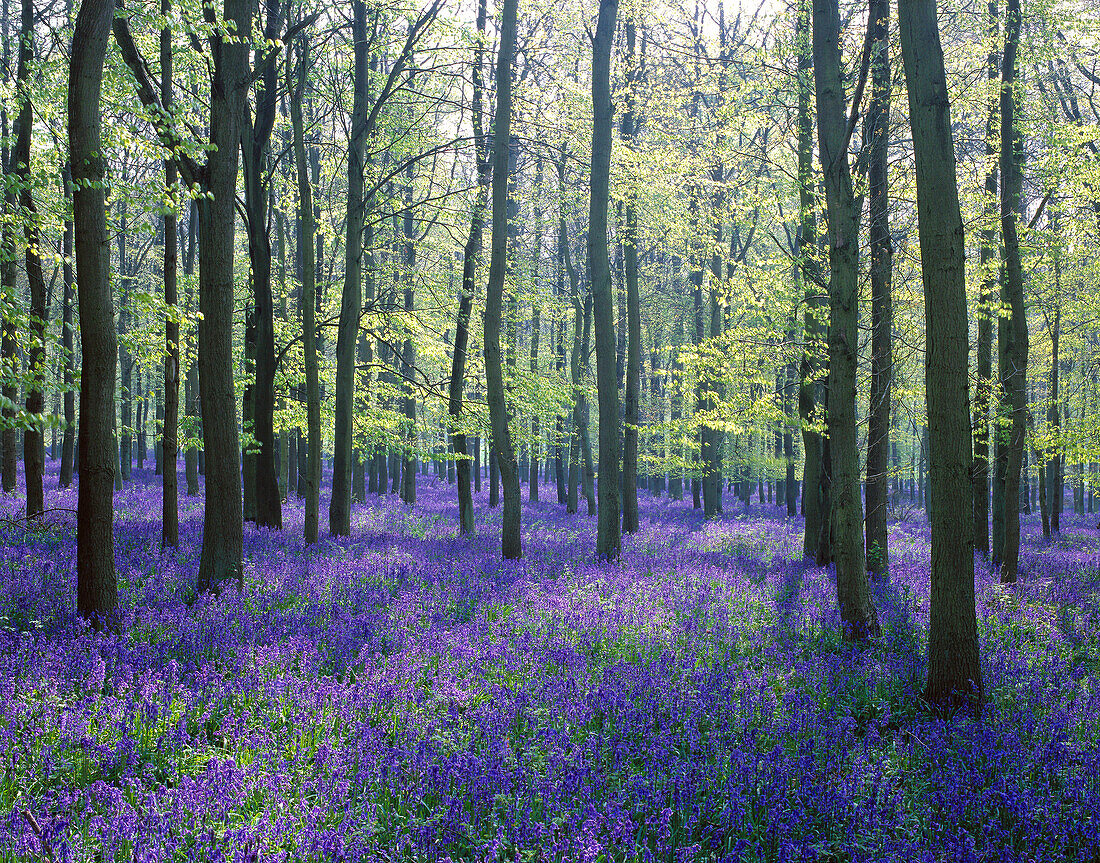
(406, 695)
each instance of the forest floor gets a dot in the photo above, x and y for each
(405, 695)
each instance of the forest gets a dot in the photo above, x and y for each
(592, 430)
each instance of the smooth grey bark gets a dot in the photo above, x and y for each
(986, 311)
(628, 130)
(309, 300)
(125, 360)
(536, 326)
(222, 535)
(577, 359)
(191, 381)
(876, 137)
(695, 276)
(97, 591)
(608, 530)
(1014, 345)
(408, 350)
(470, 255)
(1054, 413)
(222, 542)
(954, 668)
(8, 358)
(351, 298)
(504, 452)
(68, 359)
(857, 609)
(169, 533)
(810, 388)
(34, 455)
(262, 488)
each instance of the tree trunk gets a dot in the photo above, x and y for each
(97, 593)
(471, 255)
(809, 389)
(248, 413)
(125, 360)
(68, 357)
(8, 357)
(408, 353)
(191, 382)
(1014, 348)
(309, 305)
(536, 325)
(696, 278)
(34, 454)
(954, 669)
(266, 509)
(628, 129)
(857, 610)
(511, 541)
(608, 536)
(351, 298)
(169, 534)
(986, 311)
(876, 136)
(222, 535)
(788, 438)
(676, 398)
(1054, 413)
(560, 452)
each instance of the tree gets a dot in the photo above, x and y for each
(169, 534)
(470, 255)
(954, 670)
(876, 137)
(339, 511)
(857, 610)
(1013, 343)
(505, 454)
(364, 119)
(988, 239)
(628, 130)
(67, 347)
(259, 402)
(8, 358)
(97, 592)
(608, 536)
(307, 221)
(815, 512)
(222, 538)
(34, 455)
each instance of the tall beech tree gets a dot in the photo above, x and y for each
(876, 134)
(68, 357)
(986, 303)
(34, 455)
(608, 531)
(169, 532)
(470, 254)
(628, 130)
(810, 388)
(954, 668)
(297, 81)
(223, 525)
(351, 302)
(9, 361)
(97, 592)
(256, 130)
(503, 450)
(1013, 341)
(857, 610)
(364, 120)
